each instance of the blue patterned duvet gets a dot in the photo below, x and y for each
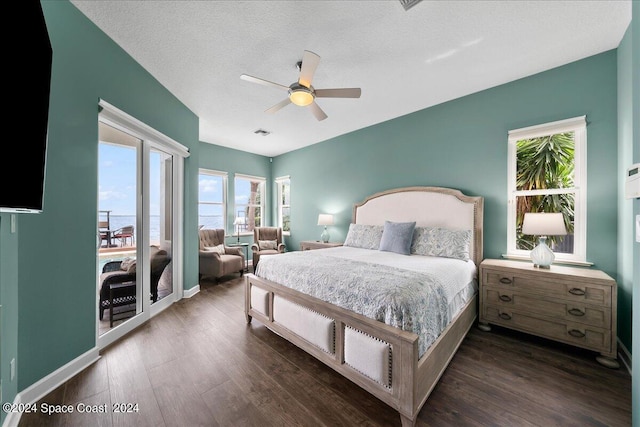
(420, 297)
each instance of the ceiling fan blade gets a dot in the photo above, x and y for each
(263, 82)
(309, 64)
(278, 106)
(317, 111)
(351, 92)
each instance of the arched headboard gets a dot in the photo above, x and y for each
(428, 207)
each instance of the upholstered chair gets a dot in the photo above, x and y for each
(215, 258)
(266, 241)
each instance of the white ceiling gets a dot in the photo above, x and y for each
(404, 61)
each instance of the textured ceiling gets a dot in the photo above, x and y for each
(404, 61)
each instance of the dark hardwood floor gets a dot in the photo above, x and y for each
(199, 364)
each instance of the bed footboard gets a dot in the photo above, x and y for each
(379, 358)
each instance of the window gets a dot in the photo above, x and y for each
(547, 173)
(284, 203)
(249, 196)
(212, 199)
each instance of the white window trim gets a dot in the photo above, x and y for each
(263, 189)
(278, 182)
(225, 179)
(579, 126)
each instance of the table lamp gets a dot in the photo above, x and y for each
(239, 222)
(325, 219)
(543, 225)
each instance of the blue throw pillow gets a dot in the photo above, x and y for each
(397, 237)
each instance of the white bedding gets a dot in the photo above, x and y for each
(417, 293)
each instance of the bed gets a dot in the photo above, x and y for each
(394, 349)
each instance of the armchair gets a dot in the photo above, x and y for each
(266, 241)
(215, 258)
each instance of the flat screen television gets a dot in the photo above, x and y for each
(23, 156)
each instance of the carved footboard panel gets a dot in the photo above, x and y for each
(379, 358)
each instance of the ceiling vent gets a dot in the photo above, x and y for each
(261, 132)
(408, 4)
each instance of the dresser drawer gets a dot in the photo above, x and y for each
(577, 291)
(569, 311)
(586, 336)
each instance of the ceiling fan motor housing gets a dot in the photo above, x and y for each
(301, 95)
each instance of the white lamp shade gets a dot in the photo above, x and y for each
(543, 224)
(239, 221)
(325, 219)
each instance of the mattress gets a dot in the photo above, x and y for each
(420, 294)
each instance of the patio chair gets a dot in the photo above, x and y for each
(124, 233)
(105, 233)
(118, 281)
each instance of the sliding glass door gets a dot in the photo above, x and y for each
(139, 222)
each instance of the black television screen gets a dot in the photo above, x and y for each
(23, 157)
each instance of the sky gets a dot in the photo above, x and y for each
(117, 179)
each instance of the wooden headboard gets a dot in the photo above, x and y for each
(428, 207)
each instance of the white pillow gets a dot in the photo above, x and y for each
(217, 249)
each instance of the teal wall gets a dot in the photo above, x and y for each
(57, 249)
(232, 161)
(463, 144)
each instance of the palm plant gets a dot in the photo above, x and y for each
(545, 162)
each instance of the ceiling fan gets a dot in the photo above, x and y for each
(301, 92)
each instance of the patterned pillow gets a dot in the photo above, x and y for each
(364, 236)
(268, 244)
(397, 237)
(217, 249)
(442, 242)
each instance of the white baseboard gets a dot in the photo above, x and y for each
(13, 418)
(188, 293)
(625, 356)
(46, 385)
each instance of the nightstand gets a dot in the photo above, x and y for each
(307, 245)
(576, 306)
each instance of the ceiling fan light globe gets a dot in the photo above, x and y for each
(301, 97)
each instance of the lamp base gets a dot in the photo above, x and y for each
(542, 255)
(325, 235)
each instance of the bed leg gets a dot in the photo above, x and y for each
(406, 421)
(248, 317)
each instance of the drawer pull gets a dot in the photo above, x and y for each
(576, 312)
(506, 280)
(505, 298)
(576, 291)
(505, 316)
(576, 333)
